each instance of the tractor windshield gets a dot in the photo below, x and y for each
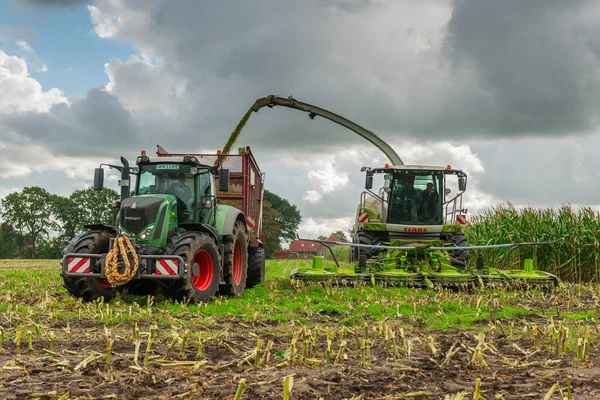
(415, 198)
(167, 178)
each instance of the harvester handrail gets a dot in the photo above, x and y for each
(432, 248)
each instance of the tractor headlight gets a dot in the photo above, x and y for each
(194, 160)
(186, 159)
(193, 170)
(144, 235)
(136, 170)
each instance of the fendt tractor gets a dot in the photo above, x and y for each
(191, 228)
(409, 232)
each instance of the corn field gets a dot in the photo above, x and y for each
(574, 258)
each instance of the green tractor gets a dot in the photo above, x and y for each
(176, 229)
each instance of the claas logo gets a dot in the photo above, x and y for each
(415, 229)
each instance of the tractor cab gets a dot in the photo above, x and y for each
(185, 178)
(411, 199)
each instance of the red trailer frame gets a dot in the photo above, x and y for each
(246, 186)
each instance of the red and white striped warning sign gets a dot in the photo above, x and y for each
(78, 265)
(363, 217)
(250, 222)
(461, 219)
(167, 267)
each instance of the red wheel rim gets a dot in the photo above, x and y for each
(206, 271)
(103, 283)
(238, 262)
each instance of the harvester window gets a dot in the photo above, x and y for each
(415, 199)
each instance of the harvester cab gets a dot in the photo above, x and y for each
(171, 232)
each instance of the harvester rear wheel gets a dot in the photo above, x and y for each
(256, 266)
(89, 289)
(201, 280)
(235, 261)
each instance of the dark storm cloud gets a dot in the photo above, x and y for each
(96, 124)
(537, 59)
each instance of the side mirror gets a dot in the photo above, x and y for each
(98, 179)
(223, 180)
(369, 182)
(462, 183)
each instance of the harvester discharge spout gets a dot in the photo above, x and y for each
(312, 110)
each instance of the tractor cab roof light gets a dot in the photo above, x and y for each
(143, 152)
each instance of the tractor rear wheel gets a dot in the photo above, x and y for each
(235, 262)
(256, 266)
(201, 256)
(89, 289)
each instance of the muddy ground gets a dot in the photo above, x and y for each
(398, 368)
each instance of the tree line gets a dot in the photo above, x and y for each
(39, 224)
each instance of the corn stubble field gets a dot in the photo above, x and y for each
(286, 341)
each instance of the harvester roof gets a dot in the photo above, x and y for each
(437, 168)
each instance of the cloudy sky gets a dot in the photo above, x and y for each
(507, 90)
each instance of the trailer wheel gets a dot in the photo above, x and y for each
(235, 262)
(201, 257)
(256, 266)
(89, 289)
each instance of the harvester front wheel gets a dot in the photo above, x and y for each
(201, 256)
(89, 289)
(459, 258)
(235, 261)
(256, 266)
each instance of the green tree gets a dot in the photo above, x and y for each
(289, 216)
(341, 235)
(83, 207)
(10, 241)
(272, 228)
(94, 206)
(321, 237)
(30, 213)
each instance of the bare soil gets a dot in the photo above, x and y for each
(516, 367)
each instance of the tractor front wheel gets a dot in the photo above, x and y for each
(201, 256)
(89, 289)
(235, 262)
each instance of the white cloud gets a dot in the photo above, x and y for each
(29, 55)
(20, 92)
(141, 85)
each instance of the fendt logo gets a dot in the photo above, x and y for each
(133, 218)
(415, 229)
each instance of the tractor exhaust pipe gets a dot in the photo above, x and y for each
(125, 187)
